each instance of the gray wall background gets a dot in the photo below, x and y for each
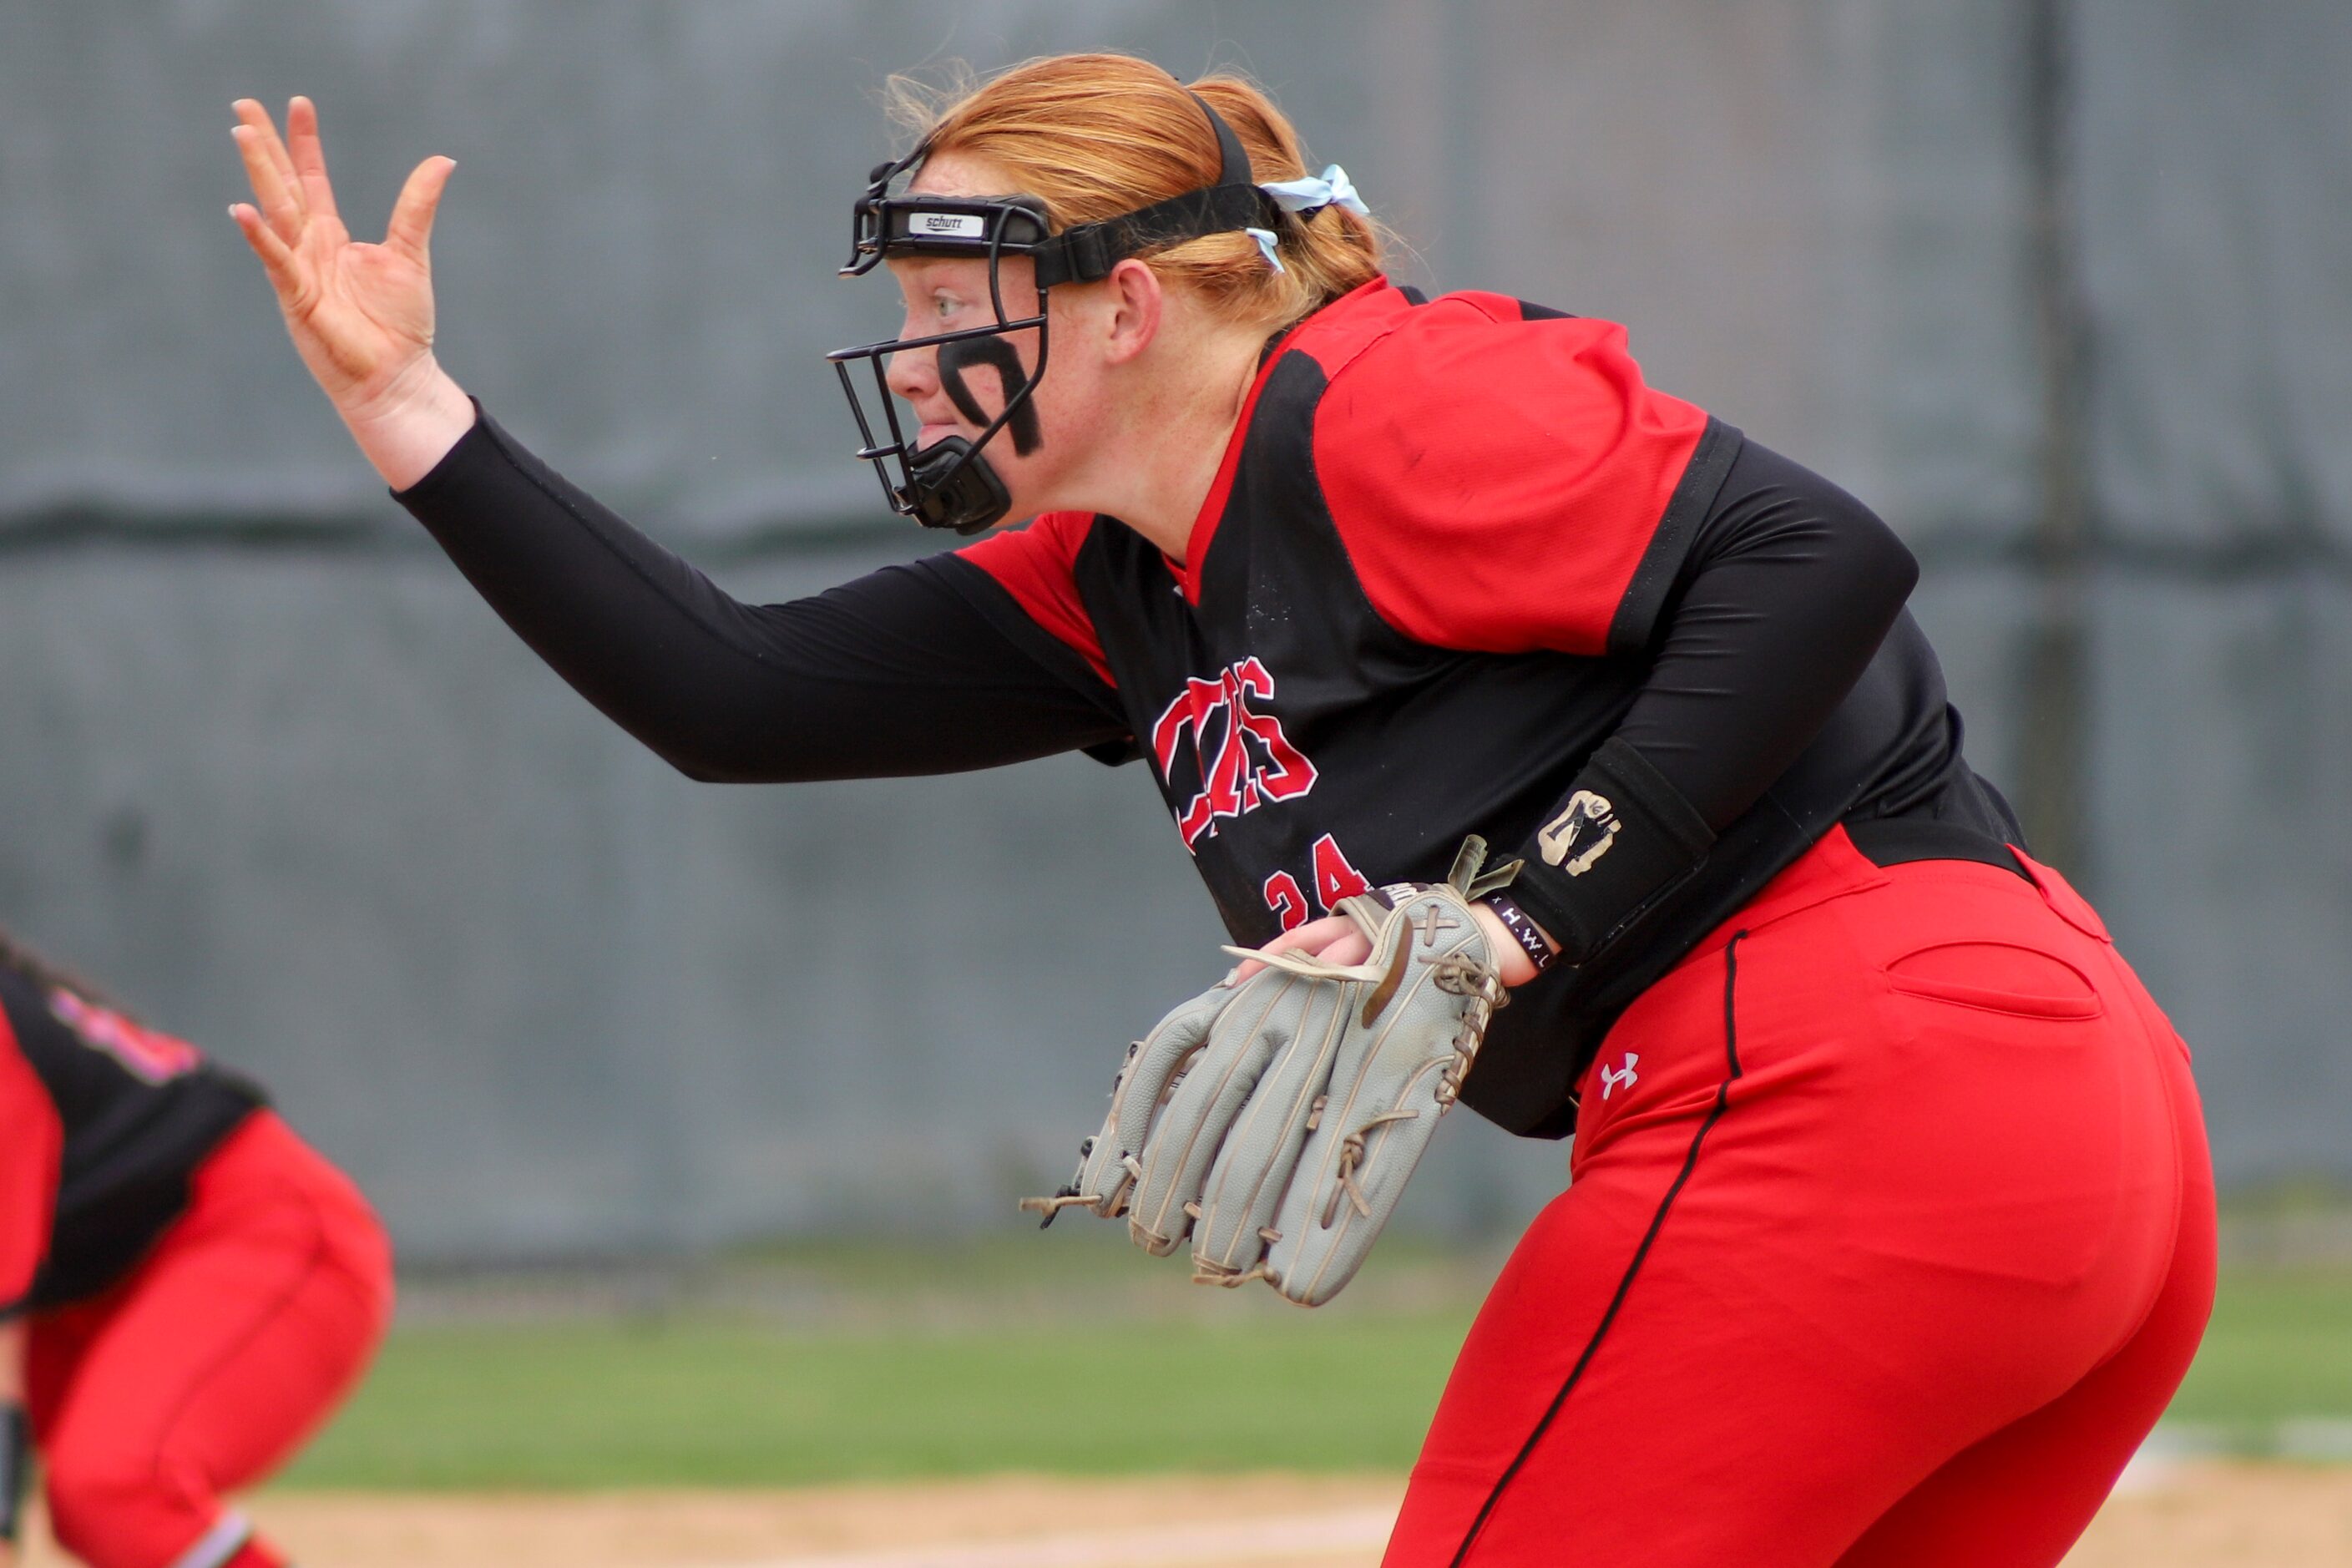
(2063, 288)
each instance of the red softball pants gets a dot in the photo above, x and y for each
(1889, 1235)
(211, 1362)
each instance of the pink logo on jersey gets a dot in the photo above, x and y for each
(1244, 760)
(144, 1053)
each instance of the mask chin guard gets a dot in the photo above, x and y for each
(950, 483)
(954, 487)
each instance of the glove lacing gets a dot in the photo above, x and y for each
(1351, 1159)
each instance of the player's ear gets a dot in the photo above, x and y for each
(1135, 298)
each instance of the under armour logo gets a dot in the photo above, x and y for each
(1619, 1077)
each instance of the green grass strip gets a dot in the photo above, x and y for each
(2279, 1349)
(684, 1403)
(693, 1400)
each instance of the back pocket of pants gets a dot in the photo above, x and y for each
(1997, 977)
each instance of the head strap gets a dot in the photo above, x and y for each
(1015, 225)
(1233, 159)
(1089, 250)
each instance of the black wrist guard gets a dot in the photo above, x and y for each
(15, 1467)
(1623, 837)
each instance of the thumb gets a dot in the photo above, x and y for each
(410, 232)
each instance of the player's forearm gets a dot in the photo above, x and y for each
(895, 673)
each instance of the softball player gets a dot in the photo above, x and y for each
(186, 1288)
(1891, 1226)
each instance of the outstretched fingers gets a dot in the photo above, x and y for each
(254, 117)
(410, 232)
(306, 157)
(268, 169)
(278, 259)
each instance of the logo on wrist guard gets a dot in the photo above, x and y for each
(1582, 834)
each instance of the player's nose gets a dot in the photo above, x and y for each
(914, 374)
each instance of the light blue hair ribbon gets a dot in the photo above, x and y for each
(1265, 243)
(1311, 195)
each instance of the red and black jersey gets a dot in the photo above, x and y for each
(1459, 561)
(1428, 584)
(1434, 525)
(102, 1120)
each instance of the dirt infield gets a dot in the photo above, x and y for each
(2209, 1515)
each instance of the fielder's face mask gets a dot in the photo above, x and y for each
(948, 484)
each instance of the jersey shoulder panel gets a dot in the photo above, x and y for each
(1336, 335)
(1037, 566)
(1499, 473)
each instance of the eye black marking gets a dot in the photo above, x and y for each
(999, 356)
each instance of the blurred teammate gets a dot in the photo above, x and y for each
(1891, 1226)
(186, 1287)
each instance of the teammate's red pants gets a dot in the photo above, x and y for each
(212, 1361)
(1889, 1237)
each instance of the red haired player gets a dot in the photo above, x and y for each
(186, 1287)
(1892, 1228)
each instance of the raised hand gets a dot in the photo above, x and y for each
(361, 315)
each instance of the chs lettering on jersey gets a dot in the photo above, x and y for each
(1236, 754)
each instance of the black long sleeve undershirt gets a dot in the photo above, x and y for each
(1787, 591)
(896, 673)
(1783, 598)
(1790, 586)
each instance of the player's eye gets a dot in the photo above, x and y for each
(947, 305)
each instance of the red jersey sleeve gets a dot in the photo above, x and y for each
(32, 1141)
(1037, 566)
(1499, 479)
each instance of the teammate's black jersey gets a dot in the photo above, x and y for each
(1453, 548)
(102, 1121)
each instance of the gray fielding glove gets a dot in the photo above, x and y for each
(1107, 1166)
(1276, 1122)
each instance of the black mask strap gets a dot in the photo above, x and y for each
(1233, 159)
(1089, 251)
